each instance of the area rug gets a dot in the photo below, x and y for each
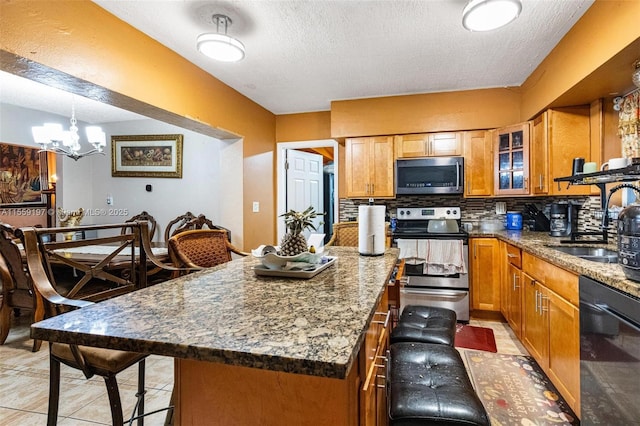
(515, 391)
(472, 337)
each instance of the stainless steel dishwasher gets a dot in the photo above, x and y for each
(609, 355)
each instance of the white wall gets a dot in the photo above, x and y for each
(211, 181)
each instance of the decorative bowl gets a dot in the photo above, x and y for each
(276, 261)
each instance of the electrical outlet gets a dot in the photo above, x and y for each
(256, 206)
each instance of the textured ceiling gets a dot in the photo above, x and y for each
(301, 55)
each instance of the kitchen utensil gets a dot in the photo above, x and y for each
(578, 164)
(590, 167)
(615, 163)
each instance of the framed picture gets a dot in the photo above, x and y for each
(146, 156)
(23, 175)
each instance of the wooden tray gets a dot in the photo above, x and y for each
(262, 270)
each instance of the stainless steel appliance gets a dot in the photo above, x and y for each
(449, 290)
(609, 355)
(433, 175)
(559, 223)
(629, 241)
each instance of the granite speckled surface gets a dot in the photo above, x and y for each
(228, 314)
(537, 243)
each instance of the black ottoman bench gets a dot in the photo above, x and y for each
(426, 324)
(427, 384)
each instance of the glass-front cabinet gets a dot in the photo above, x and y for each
(512, 160)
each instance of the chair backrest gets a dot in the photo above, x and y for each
(188, 222)
(201, 248)
(346, 234)
(12, 259)
(143, 216)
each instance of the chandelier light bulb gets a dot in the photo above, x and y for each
(487, 15)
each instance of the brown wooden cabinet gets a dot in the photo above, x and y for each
(373, 358)
(369, 164)
(511, 160)
(551, 324)
(478, 155)
(511, 295)
(485, 274)
(429, 145)
(558, 136)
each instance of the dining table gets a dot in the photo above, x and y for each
(249, 348)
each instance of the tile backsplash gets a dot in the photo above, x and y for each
(475, 209)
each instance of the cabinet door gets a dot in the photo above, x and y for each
(539, 155)
(412, 145)
(357, 167)
(485, 274)
(511, 160)
(381, 167)
(514, 304)
(445, 144)
(478, 152)
(564, 348)
(534, 328)
(568, 132)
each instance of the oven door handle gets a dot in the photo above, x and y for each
(442, 293)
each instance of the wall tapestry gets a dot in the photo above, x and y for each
(146, 156)
(21, 175)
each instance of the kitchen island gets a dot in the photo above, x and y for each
(248, 349)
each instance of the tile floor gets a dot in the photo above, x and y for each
(24, 382)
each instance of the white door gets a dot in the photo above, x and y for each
(305, 184)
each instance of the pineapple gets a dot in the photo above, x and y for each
(294, 242)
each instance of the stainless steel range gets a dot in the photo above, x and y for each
(436, 254)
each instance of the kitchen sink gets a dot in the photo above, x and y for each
(594, 254)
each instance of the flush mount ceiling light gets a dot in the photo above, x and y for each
(220, 46)
(487, 15)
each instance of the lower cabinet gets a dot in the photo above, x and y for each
(485, 274)
(551, 324)
(372, 360)
(511, 295)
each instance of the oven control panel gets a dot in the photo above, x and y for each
(422, 213)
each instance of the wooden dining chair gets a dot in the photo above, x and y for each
(346, 234)
(17, 291)
(107, 363)
(189, 221)
(201, 248)
(143, 216)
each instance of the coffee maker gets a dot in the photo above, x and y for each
(562, 216)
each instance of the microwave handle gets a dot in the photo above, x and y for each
(457, 175)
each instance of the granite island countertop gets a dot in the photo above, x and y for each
(538, 243)
(228, 314)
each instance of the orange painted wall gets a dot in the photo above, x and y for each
(83, 40)
(303, 127)
(601, 33)
(464, 110)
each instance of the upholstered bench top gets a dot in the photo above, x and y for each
(427, 384)
(425, 324)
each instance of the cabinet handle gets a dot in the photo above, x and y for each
(536, 307)
(526, 184)
(541, 182)
(386, 319)
(511, 255)
(475, 250)
(515, 279)
(542, 307)
(373, 188)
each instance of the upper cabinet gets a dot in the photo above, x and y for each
(429, 145)
(559, 136)
(478, 152)
(511, 161)
(369, 167)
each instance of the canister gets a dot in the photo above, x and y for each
(514, 221)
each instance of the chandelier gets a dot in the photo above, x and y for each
(52, 138)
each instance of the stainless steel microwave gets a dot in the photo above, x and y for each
(431, 175)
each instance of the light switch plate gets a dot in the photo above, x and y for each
(256, 206)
